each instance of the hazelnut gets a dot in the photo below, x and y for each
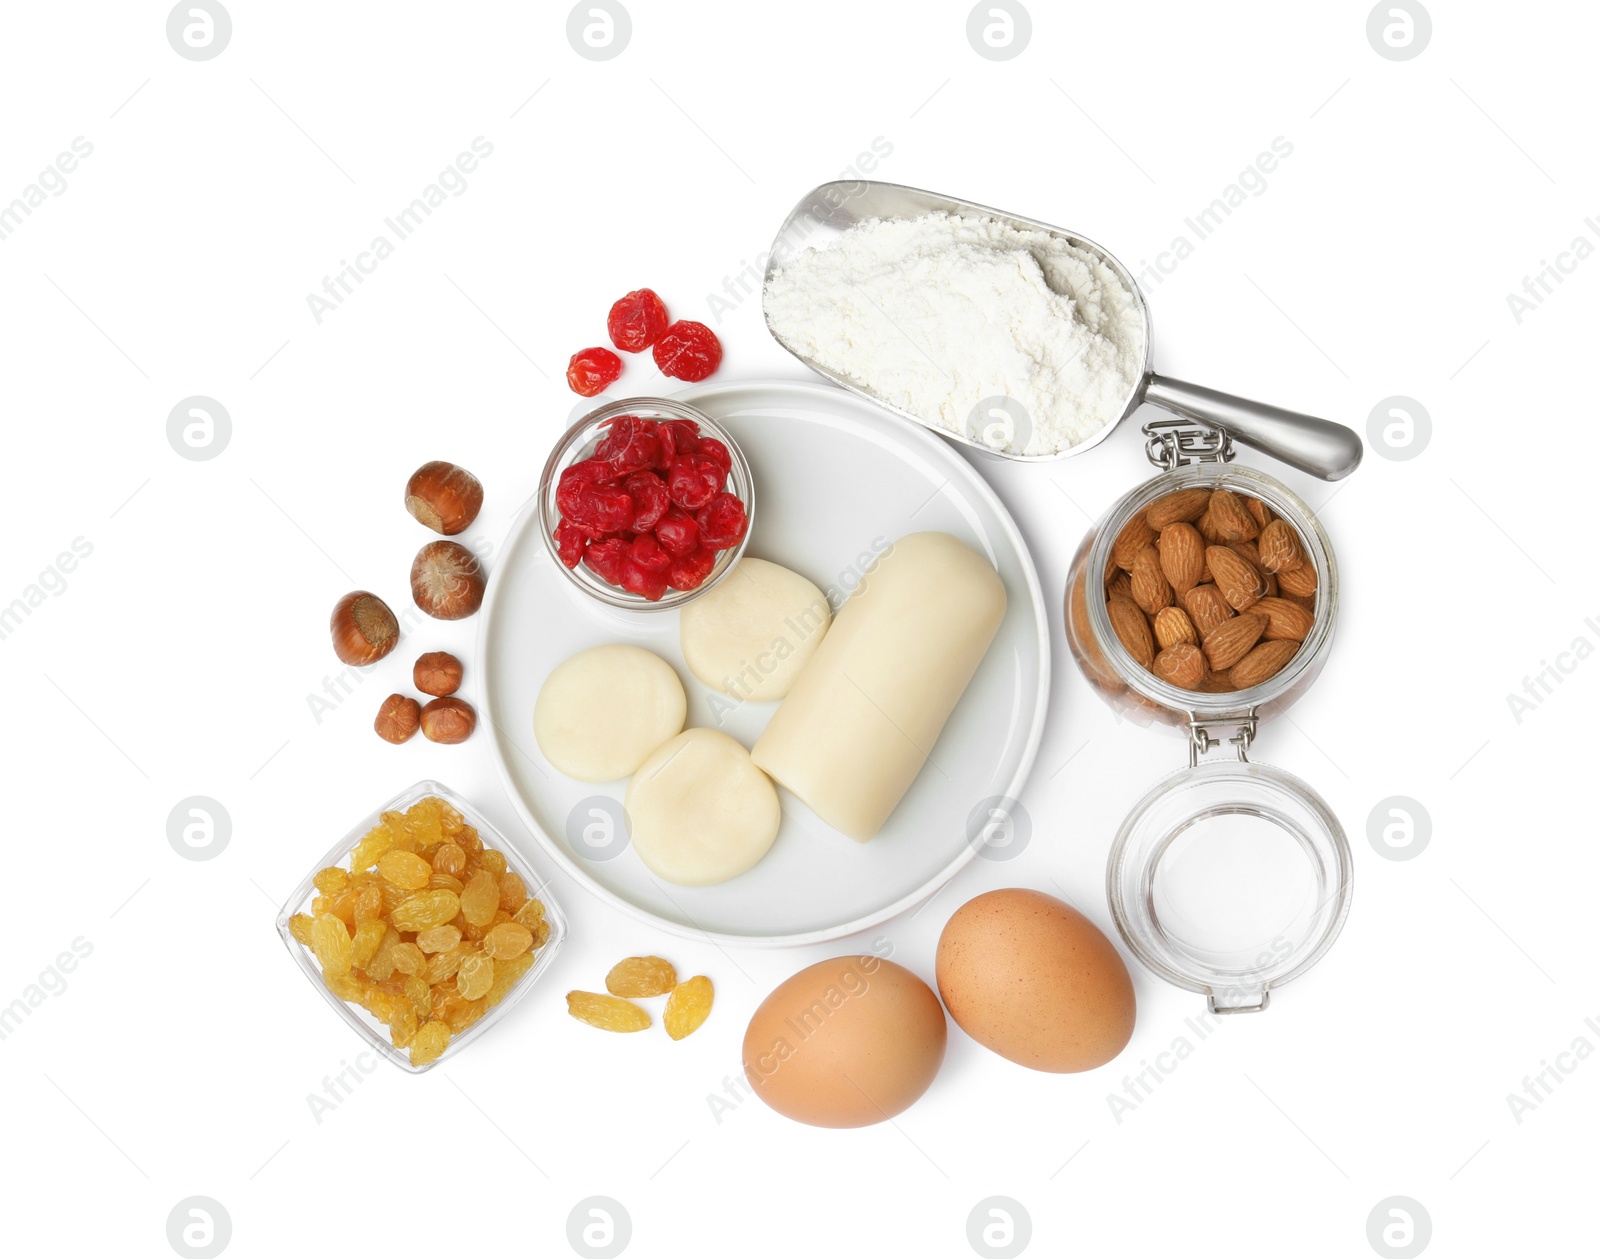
(398, 718)
(447, 581)
(448, 719)
(364, 630)
(437, 673)
(444, 496)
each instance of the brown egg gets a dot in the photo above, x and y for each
(845, 1043)
(1035, 981)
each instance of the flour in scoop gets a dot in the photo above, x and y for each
(938, 314)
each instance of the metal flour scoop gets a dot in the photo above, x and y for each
(1319, 447)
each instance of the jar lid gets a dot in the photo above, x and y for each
(1230, 878)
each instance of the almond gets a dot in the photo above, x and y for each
(1132, 630)
(1173, 626)
(1286, 621)
(1259, 512)
(1122, 585)
(1226, 645)
(1253, 555)
(1182, 664)
(1298, 581)
(1183, 555)
(1261, 663)
(1180, 506)
(1135, 536)
(1231, 518)
(1280, 547)
(1207, 525)
(1207, 608)
(1151, 590)
(1238, 579)
(1308, 602)
(1215, 684)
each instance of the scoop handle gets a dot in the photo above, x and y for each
(1320, 447)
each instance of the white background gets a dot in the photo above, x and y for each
(179, 657)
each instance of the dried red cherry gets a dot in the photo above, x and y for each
(713, 449)
(688, 351)
(589, 371)
(607, 508)
(574, 479)
(693, 479)
(650, 500)
(630, 445)
(570, 542)
(605, 559)
(639, 580)
(688, 571)
(636, 320)
(685, 436)
(677, 531)
(646, 552)
(722, 522)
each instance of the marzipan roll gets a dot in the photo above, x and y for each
(864, 714)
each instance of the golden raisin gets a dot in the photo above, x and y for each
(608, 1013)
(439, 939)
(369, 935)
(443, 966)
(492, 861)
(331, 881)
(405, 869)
(418, 994)
(424, 910)
(408, 959)
(300, 928)
(507, 940)
(450, 859)
(480, 899)
(530, 914)
(431, 1040)
(475, 977)
(506, 975)
(330, 941)
(641, 977)
(513, 891)
(687, 1007)
(403, 1027)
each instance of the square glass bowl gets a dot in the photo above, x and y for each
(376, 1034)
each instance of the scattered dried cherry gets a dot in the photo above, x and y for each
(693, 479)
(688, 571)
(677, 531)
(688, 351)
(650, 500)
(722, 522)
(636, 320)
(589, 371)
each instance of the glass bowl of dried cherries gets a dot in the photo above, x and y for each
(646, 503)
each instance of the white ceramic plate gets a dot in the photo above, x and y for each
(832, 473)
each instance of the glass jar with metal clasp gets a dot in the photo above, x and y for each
(1229, 877)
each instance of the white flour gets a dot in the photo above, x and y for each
(937, 314)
